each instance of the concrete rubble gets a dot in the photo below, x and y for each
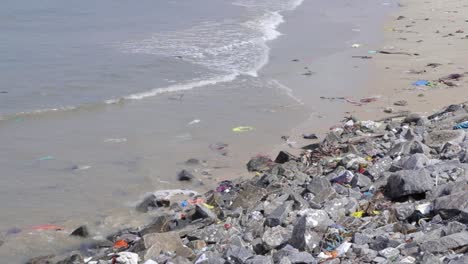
(392, 191)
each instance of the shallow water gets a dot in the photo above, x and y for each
(106, 100)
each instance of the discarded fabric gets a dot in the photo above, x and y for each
(462, 125)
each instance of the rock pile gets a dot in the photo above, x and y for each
(391, 191)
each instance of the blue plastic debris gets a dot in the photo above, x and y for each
(422, 83)
(462, 125)
(184, 203)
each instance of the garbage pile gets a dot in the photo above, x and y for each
(391, 191)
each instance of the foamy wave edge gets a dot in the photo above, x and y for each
(175, 88)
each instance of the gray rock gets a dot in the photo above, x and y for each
(446, 243)
(81, 231)
(403, 210)
(293, 256)
(212, 234)
(455, 204)
(185, 175)
(238, 254)
(412, 118)
(210, 257)
(159, 225)
(437, 139)
(408, 182)
(284, 157)
(361, 239)
(202, 212)
(382, 242)
(151, 202)
(428, 258)
(259, 163)
(41, 260)
(302, 238)
(362, 180)
(389, 253)
(73, 259)
(260, 260)
(317, 219)
(454, 227)
(249, 197)
(318, 184)
(379, 167)
(460, 260)
(278, 216)
(275, 237)
(157, 243)
(415, 162)
(181, 260)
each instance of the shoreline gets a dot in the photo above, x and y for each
(371, 191)
(432, 100)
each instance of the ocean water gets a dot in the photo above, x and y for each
(59, 55)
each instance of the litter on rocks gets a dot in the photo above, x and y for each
(369, 192)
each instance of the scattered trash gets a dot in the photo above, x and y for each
(362, 57)
(372, 52)
(46, 158)
(397, 53)
(424, 208)
(358, 214)
(119, 244)
(13, 231)
(196, 201)
(80, 167)
(369, 99)
(421, 83)
(241, 129)
(224, 186)
(309, 136)
(219, 147)
(47, 227)
(356, 45)
(433, 65)
(115, 140)
(401, 103)
(193, 122)
(344, 178)
(125, 258)
(462, 125)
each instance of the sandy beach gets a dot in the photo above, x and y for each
(438, 32)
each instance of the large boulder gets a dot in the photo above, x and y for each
(157, 243)
(453, 205)
(446, 243)
(408, 182)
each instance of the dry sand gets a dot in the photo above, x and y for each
(436, 30)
